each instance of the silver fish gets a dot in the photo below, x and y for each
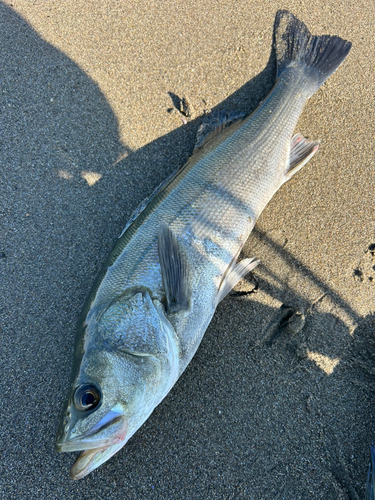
(176, 259)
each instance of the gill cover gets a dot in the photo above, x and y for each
(134, 324)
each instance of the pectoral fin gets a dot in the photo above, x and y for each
(174, 270)
(233, 275)
(301, 151)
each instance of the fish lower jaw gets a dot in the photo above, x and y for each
(89, 460)
(84, 463)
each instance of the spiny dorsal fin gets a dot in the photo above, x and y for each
(214, 124)
(174, 270)
(301, 151)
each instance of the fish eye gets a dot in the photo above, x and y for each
(86, 397)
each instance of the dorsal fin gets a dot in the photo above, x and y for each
(213, 124)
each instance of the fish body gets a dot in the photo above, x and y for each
(176, 259)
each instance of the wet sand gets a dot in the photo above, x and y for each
(279, 399)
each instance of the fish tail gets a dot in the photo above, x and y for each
(295, 46)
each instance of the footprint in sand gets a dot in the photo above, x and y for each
(365, 271)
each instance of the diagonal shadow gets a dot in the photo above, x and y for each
(303, 270)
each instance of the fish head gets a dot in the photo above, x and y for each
(125, 365)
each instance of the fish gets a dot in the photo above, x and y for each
(177, 257)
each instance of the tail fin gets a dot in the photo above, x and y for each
(321, 55)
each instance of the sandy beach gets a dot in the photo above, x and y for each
(278, 402)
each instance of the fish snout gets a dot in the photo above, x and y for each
(110, 430)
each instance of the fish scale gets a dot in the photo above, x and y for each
(176, 260)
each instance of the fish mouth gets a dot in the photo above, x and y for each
(96, 445)
(110, 430)
(107, 435)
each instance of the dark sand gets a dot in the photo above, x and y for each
(279, 400)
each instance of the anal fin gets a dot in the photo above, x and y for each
(301, 151)
(174, 270)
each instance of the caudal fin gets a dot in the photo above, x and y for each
(294, 44)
